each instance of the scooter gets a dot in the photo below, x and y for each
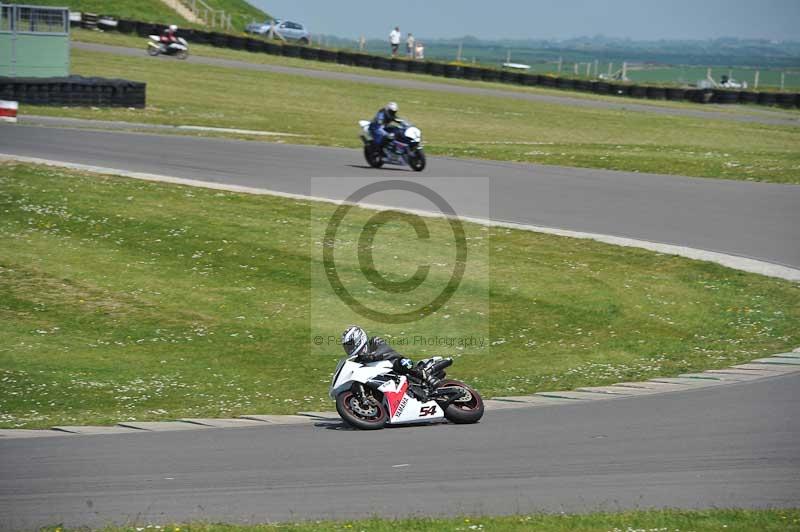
(179, 49)
(404, 148)
(373, 395)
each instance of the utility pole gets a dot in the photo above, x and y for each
(460, 48)
(783, 78)
(755, 80)
(596, 67)
(610, 69)
(625, 71)
(560, 63)
(588, 70)
(576, 69)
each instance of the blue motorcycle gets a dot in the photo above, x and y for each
(403, 148)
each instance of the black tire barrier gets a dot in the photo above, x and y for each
(748, 97)
(488, 74)
(549, 81)
(236, 42)
(380, 63)
(797, 100)
(618, 89)
(270, 47)
(453, 71)
(786, 99)
(434, 69)
(530, 79)
(417, 67)
(74, 91)
(143, 29)
(345, 58)
(363, 60)
(565, 83)
(638, 91)
(219, 40)
(675, 95)
(583, 85)
(699, 95)
(399, 65)
(767, 98)
(328, 56)
(312, 54)
(656, 93)
(290, 50)
(126, 26)
(602, 87)
(200, 37)
(507, 76)
(254, 45)
(725, 96)
(471, 72)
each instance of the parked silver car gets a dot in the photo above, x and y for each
(291, 31)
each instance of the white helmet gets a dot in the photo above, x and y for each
(391, 109)
(354, 340)
(173, 27)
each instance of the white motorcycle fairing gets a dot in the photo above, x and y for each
(401, 406)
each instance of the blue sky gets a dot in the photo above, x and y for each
(637, 19)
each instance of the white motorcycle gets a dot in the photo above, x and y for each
(179, 49)
(372, 395)
(404, 148)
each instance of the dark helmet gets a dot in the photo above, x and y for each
(354, 340)
(391, 110)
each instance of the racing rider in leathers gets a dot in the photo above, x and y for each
(356, 343)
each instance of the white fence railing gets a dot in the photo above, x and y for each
(214, 18)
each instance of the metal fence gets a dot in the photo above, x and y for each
(34, 19)
(34, 41)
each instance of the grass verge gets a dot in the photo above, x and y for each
(458, 125)
(633, 521)
(122, 299)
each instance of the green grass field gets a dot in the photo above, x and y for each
(123, 299)
(633, 521)
(241, 11)
(326, 112)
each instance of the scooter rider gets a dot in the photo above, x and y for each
(169, 36)
(381, 126)
(356, 343)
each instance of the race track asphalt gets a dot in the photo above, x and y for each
(719, 446)
(755, 220)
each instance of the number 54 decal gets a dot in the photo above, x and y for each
(427, 411)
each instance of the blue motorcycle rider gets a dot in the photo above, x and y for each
(381, 128)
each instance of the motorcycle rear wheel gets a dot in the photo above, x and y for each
(182, 54)
(373, 156)
(372, 417)
(417, 161)
(465, 410)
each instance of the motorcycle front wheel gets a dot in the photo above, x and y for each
(468, 409)
(152, 50)
(369, 416)
(373, 156)
(416, 160)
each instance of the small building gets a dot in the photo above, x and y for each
(34, 41)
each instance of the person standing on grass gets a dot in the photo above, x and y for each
(394, 40)
(410, 46)
(419, 50)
